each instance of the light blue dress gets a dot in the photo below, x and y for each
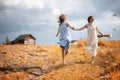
(65, 37)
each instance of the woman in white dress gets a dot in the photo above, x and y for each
(92, 37)
(64, 37)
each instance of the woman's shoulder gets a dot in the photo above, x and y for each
(94, 25)
(66, 23)
(87, 24)
(63, 23)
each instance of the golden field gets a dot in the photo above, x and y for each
(40, 62)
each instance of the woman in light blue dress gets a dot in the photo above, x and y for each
(64, 37)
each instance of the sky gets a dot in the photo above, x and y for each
(39, 18)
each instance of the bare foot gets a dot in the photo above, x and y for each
(92, 62)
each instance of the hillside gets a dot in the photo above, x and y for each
(40, 62)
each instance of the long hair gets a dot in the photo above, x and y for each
(61, 19)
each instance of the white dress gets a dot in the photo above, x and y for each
(92, 39)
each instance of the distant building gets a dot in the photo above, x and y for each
(24, 39)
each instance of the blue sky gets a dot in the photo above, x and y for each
(39, 18)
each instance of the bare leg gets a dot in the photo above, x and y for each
(93, 57)
(66, 52)
(92, 61)
(63, 55)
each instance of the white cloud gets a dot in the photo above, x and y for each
(73, 6)
(25, 4)
(35, 15)
(11, 2)
(55, 11)
(32, 4)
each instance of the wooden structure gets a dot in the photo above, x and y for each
(24, 39)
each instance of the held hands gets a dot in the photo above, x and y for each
(77, 29)
(72, 28)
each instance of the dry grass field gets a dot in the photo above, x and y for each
(41, 62)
